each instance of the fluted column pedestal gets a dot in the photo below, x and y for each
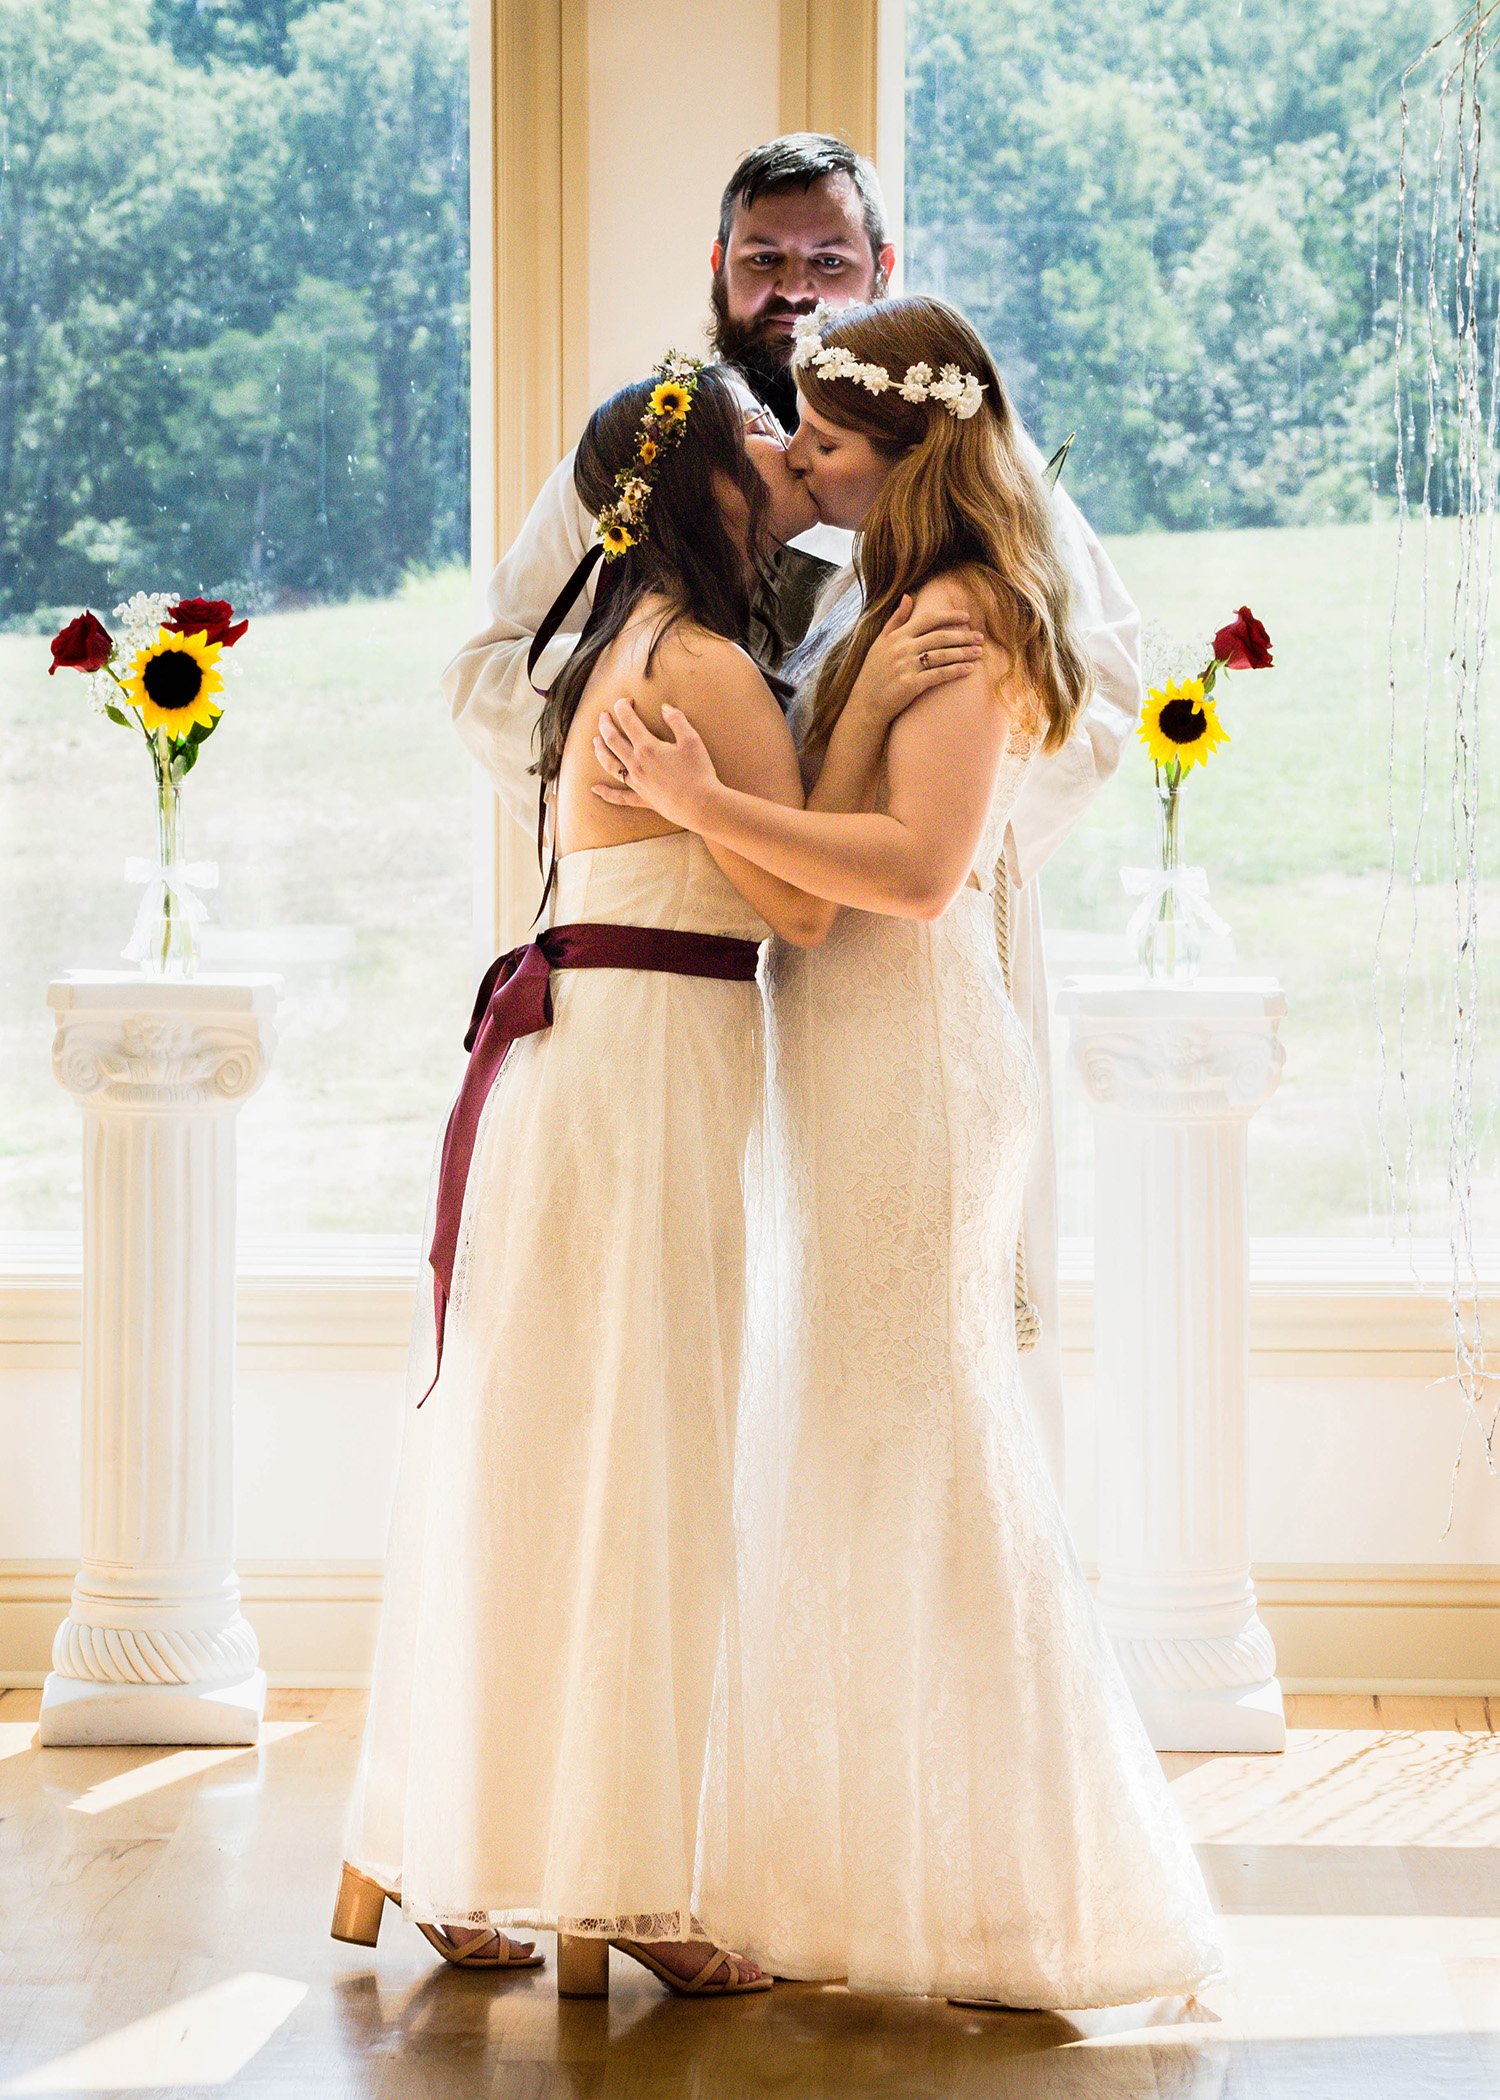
(1173, 1074)
(154, 1648)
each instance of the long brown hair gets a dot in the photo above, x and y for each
(962, 494)
(687, 555)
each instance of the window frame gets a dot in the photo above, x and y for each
(1363, 1301)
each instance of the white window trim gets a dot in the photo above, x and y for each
(1323, 1308)
(1362, 1300)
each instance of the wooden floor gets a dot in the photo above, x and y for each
(164, 1930)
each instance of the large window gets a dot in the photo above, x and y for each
(233, 363)
(1174, 224)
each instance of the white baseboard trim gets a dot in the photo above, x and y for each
(315, 1620)
(1386, 1688)
(1390, 1628)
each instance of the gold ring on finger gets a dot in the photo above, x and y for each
(624, 772)
(922, 660)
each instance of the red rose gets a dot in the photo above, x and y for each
(84, 645)
(1244, 644)
(210, 617)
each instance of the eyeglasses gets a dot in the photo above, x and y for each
(761, 422)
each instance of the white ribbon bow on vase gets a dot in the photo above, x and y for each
(181, 883)
(1188, 888)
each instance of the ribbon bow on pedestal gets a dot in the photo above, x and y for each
(181, 882)
(1188, 889)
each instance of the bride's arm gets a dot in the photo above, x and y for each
(910, 657)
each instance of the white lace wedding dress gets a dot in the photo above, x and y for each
(560, 1571)
(931, 1776)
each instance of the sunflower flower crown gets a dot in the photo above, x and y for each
(958, 391)
(623, 521)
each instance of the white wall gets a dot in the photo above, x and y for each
(701, 86)
(1349, 1482)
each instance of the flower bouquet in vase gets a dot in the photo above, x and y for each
(1180, 729)
(159, 678)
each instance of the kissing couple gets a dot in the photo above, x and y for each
(732, 1618)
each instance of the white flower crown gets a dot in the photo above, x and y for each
(958, 391)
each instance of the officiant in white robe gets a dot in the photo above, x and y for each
(495, 710)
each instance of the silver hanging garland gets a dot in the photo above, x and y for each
(1452, 403)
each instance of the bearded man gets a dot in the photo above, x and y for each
(803, 220)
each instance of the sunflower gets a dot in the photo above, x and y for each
(648, 451)
(1181, 725)
(670, 401)
(171, 681)
(616, 539)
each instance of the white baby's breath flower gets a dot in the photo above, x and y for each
(101, 691)
(874, 378)
(146, 608)
(1166, 658)
(140, 619)
(144, 612)
(968, 400)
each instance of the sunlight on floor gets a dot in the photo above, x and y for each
(1375, 1976)
(181, 1764)
(203, 2040)
(1149, 2023)
(16, 1736)
(1338, 1787)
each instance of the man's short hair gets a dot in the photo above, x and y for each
(805, 157)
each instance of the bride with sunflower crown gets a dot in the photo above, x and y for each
(560, 1570)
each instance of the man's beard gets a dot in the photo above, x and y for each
(763, 355)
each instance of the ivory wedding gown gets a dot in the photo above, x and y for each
(930, 1775)
(559, 1577)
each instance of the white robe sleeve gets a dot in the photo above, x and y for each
(495, 709)
(1061, 784)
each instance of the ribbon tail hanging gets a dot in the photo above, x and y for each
(181, 882)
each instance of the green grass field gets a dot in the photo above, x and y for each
(337, 803)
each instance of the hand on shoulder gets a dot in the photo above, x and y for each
(721, 693)
(960, 595)
(963, 595)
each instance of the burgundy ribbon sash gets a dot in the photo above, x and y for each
(515, 999)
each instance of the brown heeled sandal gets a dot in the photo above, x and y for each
(583, 1970)
(360, 1906)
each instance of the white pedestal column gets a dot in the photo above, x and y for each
(154, 1648)
(1173, 1074)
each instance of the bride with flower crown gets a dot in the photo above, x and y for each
(929, 1772)
(560, 1570)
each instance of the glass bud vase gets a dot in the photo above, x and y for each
(171, 940)
(1171, 943)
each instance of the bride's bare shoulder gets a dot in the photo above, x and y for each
(966, 592)
(971, 593)
(692, 666)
